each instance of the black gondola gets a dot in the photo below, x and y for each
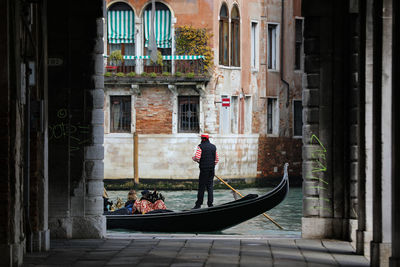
(211, 219)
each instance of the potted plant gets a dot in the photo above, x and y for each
(116, 57)
(190, 75)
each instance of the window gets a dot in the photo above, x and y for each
(298, 44)
(235, 39)
(188, 108)
(120, 114)
(223, 36)
(254, 45)
(121, 31)
(162, 27)
(272, 116)
(272, 46)
(162, 34)
(297, 118)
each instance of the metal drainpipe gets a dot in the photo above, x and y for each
(282, 51)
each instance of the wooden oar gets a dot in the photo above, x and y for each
(237, 192)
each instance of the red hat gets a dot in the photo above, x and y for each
(204, 135)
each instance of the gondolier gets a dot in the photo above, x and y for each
(212, 219)
(207, 156)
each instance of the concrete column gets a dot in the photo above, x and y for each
(76, 117)
(201, 89)
(361, 181)
(365, 234)
(317, 184)
(175, 107)
(139, 44)
(329, 134)
(382, 68)
(386, 135)
(12, 229)
(43, 238)
(173, 45)
(394, 260)
(93, 223)
(354, 140)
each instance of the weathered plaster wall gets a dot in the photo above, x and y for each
(276, 149)
(118, 156)
(165, 156)
(170, 156)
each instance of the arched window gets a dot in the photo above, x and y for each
(120, 30)
(235, 37)
(162, 27)
(223, 36)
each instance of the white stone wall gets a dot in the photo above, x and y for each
(118, 156)
(169, 156)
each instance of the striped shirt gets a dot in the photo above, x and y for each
(197, 155)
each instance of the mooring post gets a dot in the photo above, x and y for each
(135, 157)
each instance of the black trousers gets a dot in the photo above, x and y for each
(206, 178)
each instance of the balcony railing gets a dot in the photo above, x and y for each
(170, 64)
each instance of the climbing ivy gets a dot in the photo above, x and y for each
(192, 41)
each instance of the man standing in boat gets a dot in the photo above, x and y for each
(207, 157)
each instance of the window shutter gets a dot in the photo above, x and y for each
(120, 26)
(162, 28)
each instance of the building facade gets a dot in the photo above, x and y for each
(249, 100)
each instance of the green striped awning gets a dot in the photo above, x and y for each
(182, 57)
(121, 26)
(162, 25)
(177, 57)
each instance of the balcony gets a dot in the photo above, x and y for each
(142, 66)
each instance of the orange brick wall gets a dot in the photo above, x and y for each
(274, 152)
(154, 111)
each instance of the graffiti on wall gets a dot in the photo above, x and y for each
(62, 130)
(317, 171)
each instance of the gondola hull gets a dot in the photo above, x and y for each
(211, 219)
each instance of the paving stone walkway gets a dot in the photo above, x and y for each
(196, 250)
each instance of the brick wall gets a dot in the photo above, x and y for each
(273, 152)
(154, 111)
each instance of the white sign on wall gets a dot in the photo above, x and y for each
(225, 115)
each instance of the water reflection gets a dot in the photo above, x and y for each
(287, 214)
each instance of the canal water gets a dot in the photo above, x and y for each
(287, 214)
